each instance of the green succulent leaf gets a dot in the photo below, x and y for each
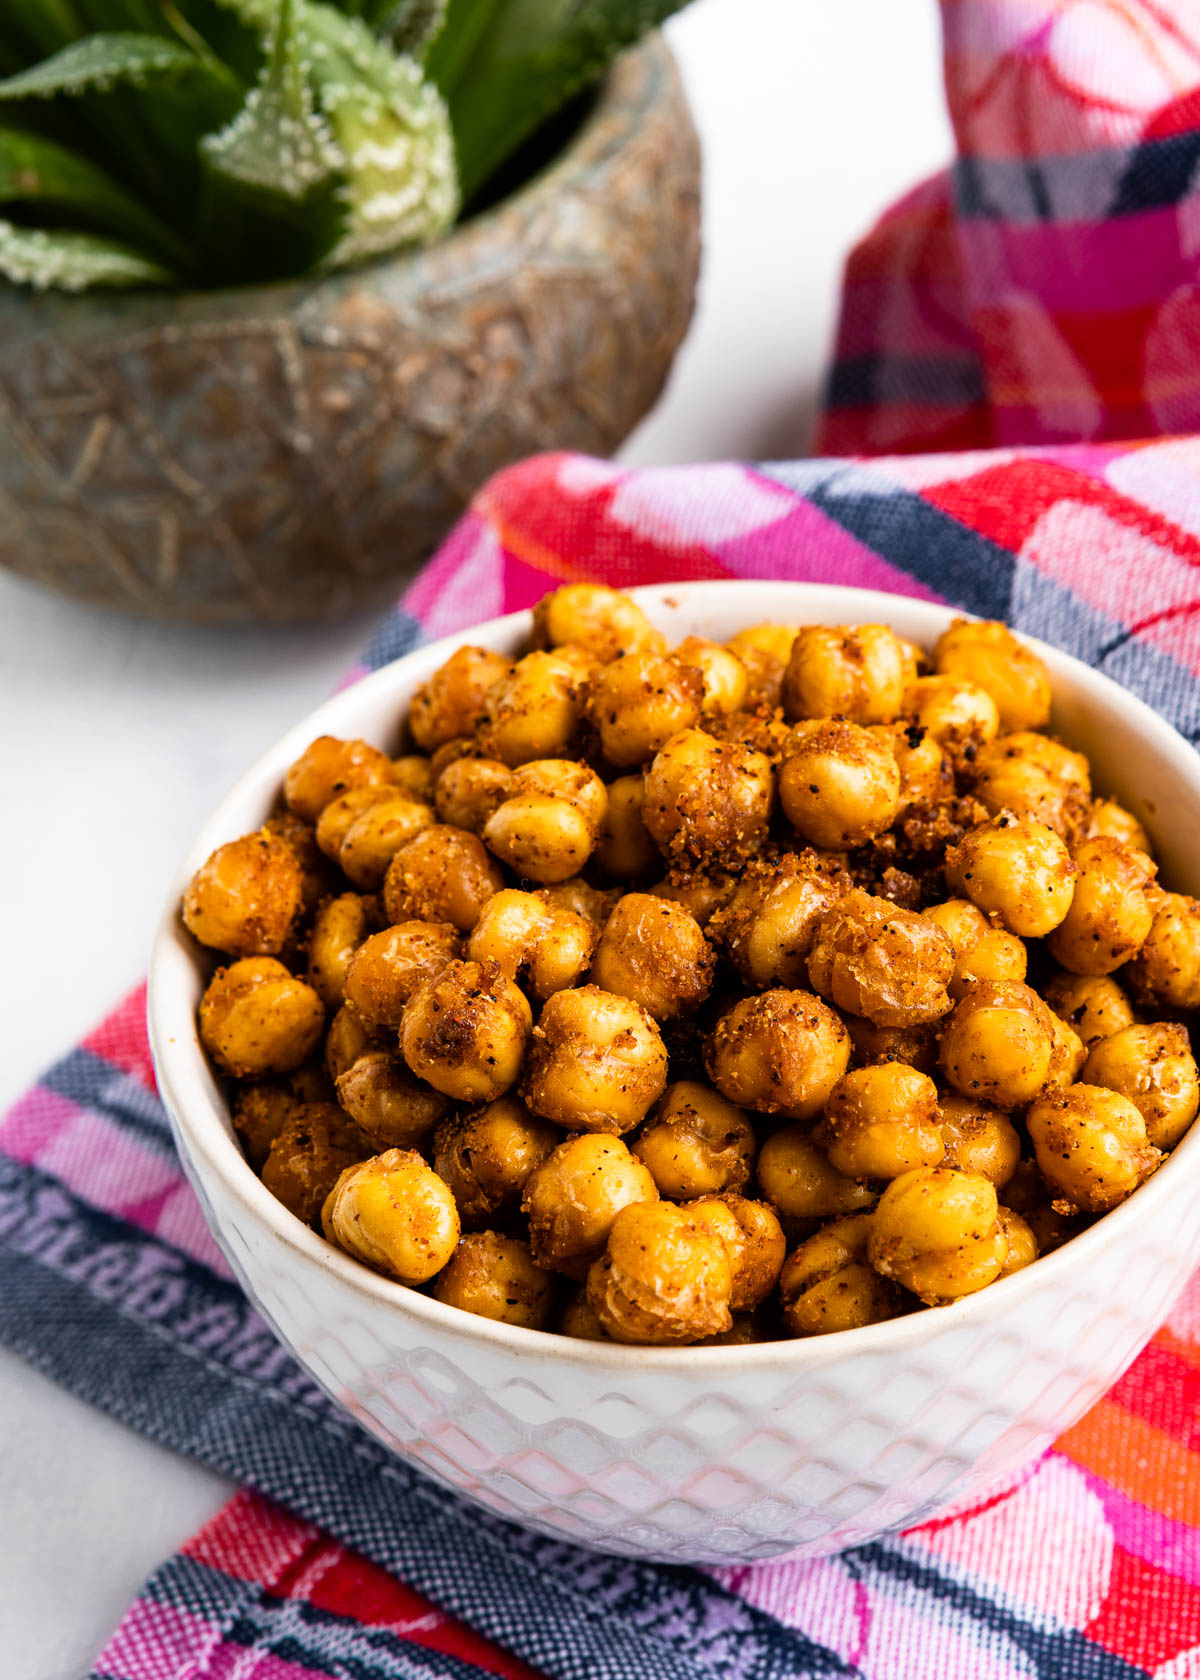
(72, 261)
(410, 26)
(100, 62)
(37, 172)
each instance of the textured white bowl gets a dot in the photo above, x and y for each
(705, 1455)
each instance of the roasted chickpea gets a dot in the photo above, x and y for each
(465, 1031)
(1030, 775)
(1166, 971)
(534, 711)
(1016, 869)
(340, 815)
(1110, 913)
(799, 1181)
(857, 673)
(470, 789)
(316, 878)
(624, 849)
(329, 768)
(726, 680)
(495, 1277)
(754, 1242)
(640, 701)
(573, 1197)
(262, 1109)
(653, 952)
(487, 1155)
(998, 1045)
(391, 1109)
(1067, 1057)
(937, 1232)
(708, 801)
(981, 951)
(873, 958)
(256, 1018)
(579, 1319)
(348, 1039)
(1022, 1244)
(697, 1143)
(663, 1278)
(839, 784)
(953, 709)
(597, 1062)
(926, 776)
(1094, 1004)
(387, 968)
(882, 1121)
(584, 900)
(451, 702)
(978, 1139)
(1154, 1068)
(245, 899)
(1091, 1146)
(1028, 1195)
(443, 875)
(987, 653)
(769, 925)
(543, 947)
(414, 773)
(781, 1052)
(377, 834)
(394, 1213)
(917, 1045)
(828, 1283)
(764, 650)
(700, 895)
(594, 617)
(1109, 820)
(313, 1148)
(339, 928)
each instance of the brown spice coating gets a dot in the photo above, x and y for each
(638, 702)
(390, 1108)
(839, 783)
(1094, 1004)
(937, 1233)
(653, 952)
(881, 1121)
(1154, 1067)
(465, 1031)
(858, 673)
(340, 926)
(469, 790)
(1166, 971)
(245, 899)
(998, 1045)
(781, 1052)
(708, 802)
(769, 925)
(487, 1154)
(875, 959)
(313, 1148)
(754, 1242)
(989, 654)
(543, 946)
(443, 875)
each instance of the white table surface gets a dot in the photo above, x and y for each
(118, 737)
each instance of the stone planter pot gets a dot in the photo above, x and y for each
(290, 452)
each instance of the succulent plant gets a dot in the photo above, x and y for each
(217, 142)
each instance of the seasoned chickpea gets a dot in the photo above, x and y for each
(256, 1017)
(926, 775)
(953, 709)
(487, 1155)
(624, 849)
(873, 958)
(348, 1039)
(1153, 1066)
(414, 773)
(937, 1232)
(882, 1121)
(534, 711)
(987, 653)
(1028, 1195)
(245, 899)
(391, 1109)
(998, 1045)
(653, 952)
(1067, 1057)
(764, 650)
(858, 673)
(828, 1283)
(573, 1197)
(700, 895)
(1016, 869)
(1030, 775)
(978, 1138)
(262, 1109)
(470, 789)
(579, 1319)
(340, 815)
(377, 834)
(594, 617)
(542, 838)
(708, 801)
(697, 1143)
(769, 925)
(916, 1045)
(1166, 971)
(1021, 1241)
(387, 968)
(597, 1062)
(1109, 820)
(981, 951)
(1094, 1004)
(576, 895)
(563, 778)
(329, 768)
(839, 784)
(663, 1278)
(495, 1277)
(315, 874)
(1110, 913)
(339, 928)
(753, 1239)
(313, 1148)
(543, 947)
(1091, 1146)
(781, 1052)
(638, 703)
(451, 702)
(465, 1031)
(394, 1213)
(799, 1181)
(726, 680)
(444, 875)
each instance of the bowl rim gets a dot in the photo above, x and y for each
(193, 1101)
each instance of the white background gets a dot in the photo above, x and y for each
(116, 738)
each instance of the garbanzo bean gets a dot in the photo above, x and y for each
(451, 702)
(663, 1278)
(828, 1283)
(769, 925)
(443, 875)
(596, 1063)
(579, 1319)
(1110, 913)
(726, 680)
(263, 1107)
(577, 895)
(1154, 1067)
(245, 899)
(1109, 820)
(638, 702)
(981, 951)
(594, 617)
(978, 1138)
(882, 1121)
(394, 1213)
(764, 650)
(377, 834)
(857, 673)
(700, 895)
(987, 653)
(534, 711)
(487, 1155)
(256, 1018)
(873, 958)
(624, 849)
(414, 773)
(1091, 1146)
(316, 877)
(391, 1109)
(1028, 1195)
(1067, 1056)
(926, 774)
(546, 829)
(799, 1181)
(349, 1038)
(495, 1277)
(839, 784)
(708, 801)
(339, 928)
(340, 815)
(465, 1030)
(543, 947)
(953, 709)
(696, 1143)
(329, 768)
(1166, 971)
(313, 1148)
(754, 1242)
(1029, 775)
(469, 790)
(387, 968)
(1020, 1240)
(575, 1194)
(1016, 869)
(653, 952)
(781, 1052)
(1094, 1004)
(916, 1045)
(998, 1045)
(937, 1232)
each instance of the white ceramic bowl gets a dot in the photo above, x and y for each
(705, 1455)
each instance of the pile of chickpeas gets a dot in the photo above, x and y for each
(711, 994)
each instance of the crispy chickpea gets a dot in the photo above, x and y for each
(1028, 1194)
(953, 709)
(1067, 1057)
(839, 784)
(708, 801)
(799, 1181)
(1094, 1004)
(394, 1213)
(375, 836)
(391, 1109)
(926, 776)
(1091, 1146)
(998, 1045)
(542, 838)
(465, 1031)
(450, 703)
(1109, 820)
(700, 895)
(414, 773)
(1166, 971)
(348, 1038)
(873, 958)
(443, 875)
(937, 1232)
(981, 951)
(245, 899)
(764, 650)
(1016, 869)
(329, 768)
(387, 968)
(1110, 912)
(882, 1121)
(573, 1197)
(916, 1045)
(697, 1143)
(857, 673)
(262, 1109)
(624, 849)
(653, 952)
(534, 711)
(315, 875)
(726, 680)
(987, 653)
(256, 1017)
(754, 1242)
(1030, 775)
(579, 1319)
(470, 789)
(339, 928)
(495, 1277)
(1022, 1243)
(1154, 1068)
(581, 898)
(340, 815)
(594, 617)
(781, 1052)
(828, 1284)
(768, 928)
(597, 1062)
(640, 701)
(314, 1147)
(487, 1155)
(978, 1138)
(663, 1278)
(543, 947)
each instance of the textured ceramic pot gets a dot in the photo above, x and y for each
(294, 451)
(707, 1455)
